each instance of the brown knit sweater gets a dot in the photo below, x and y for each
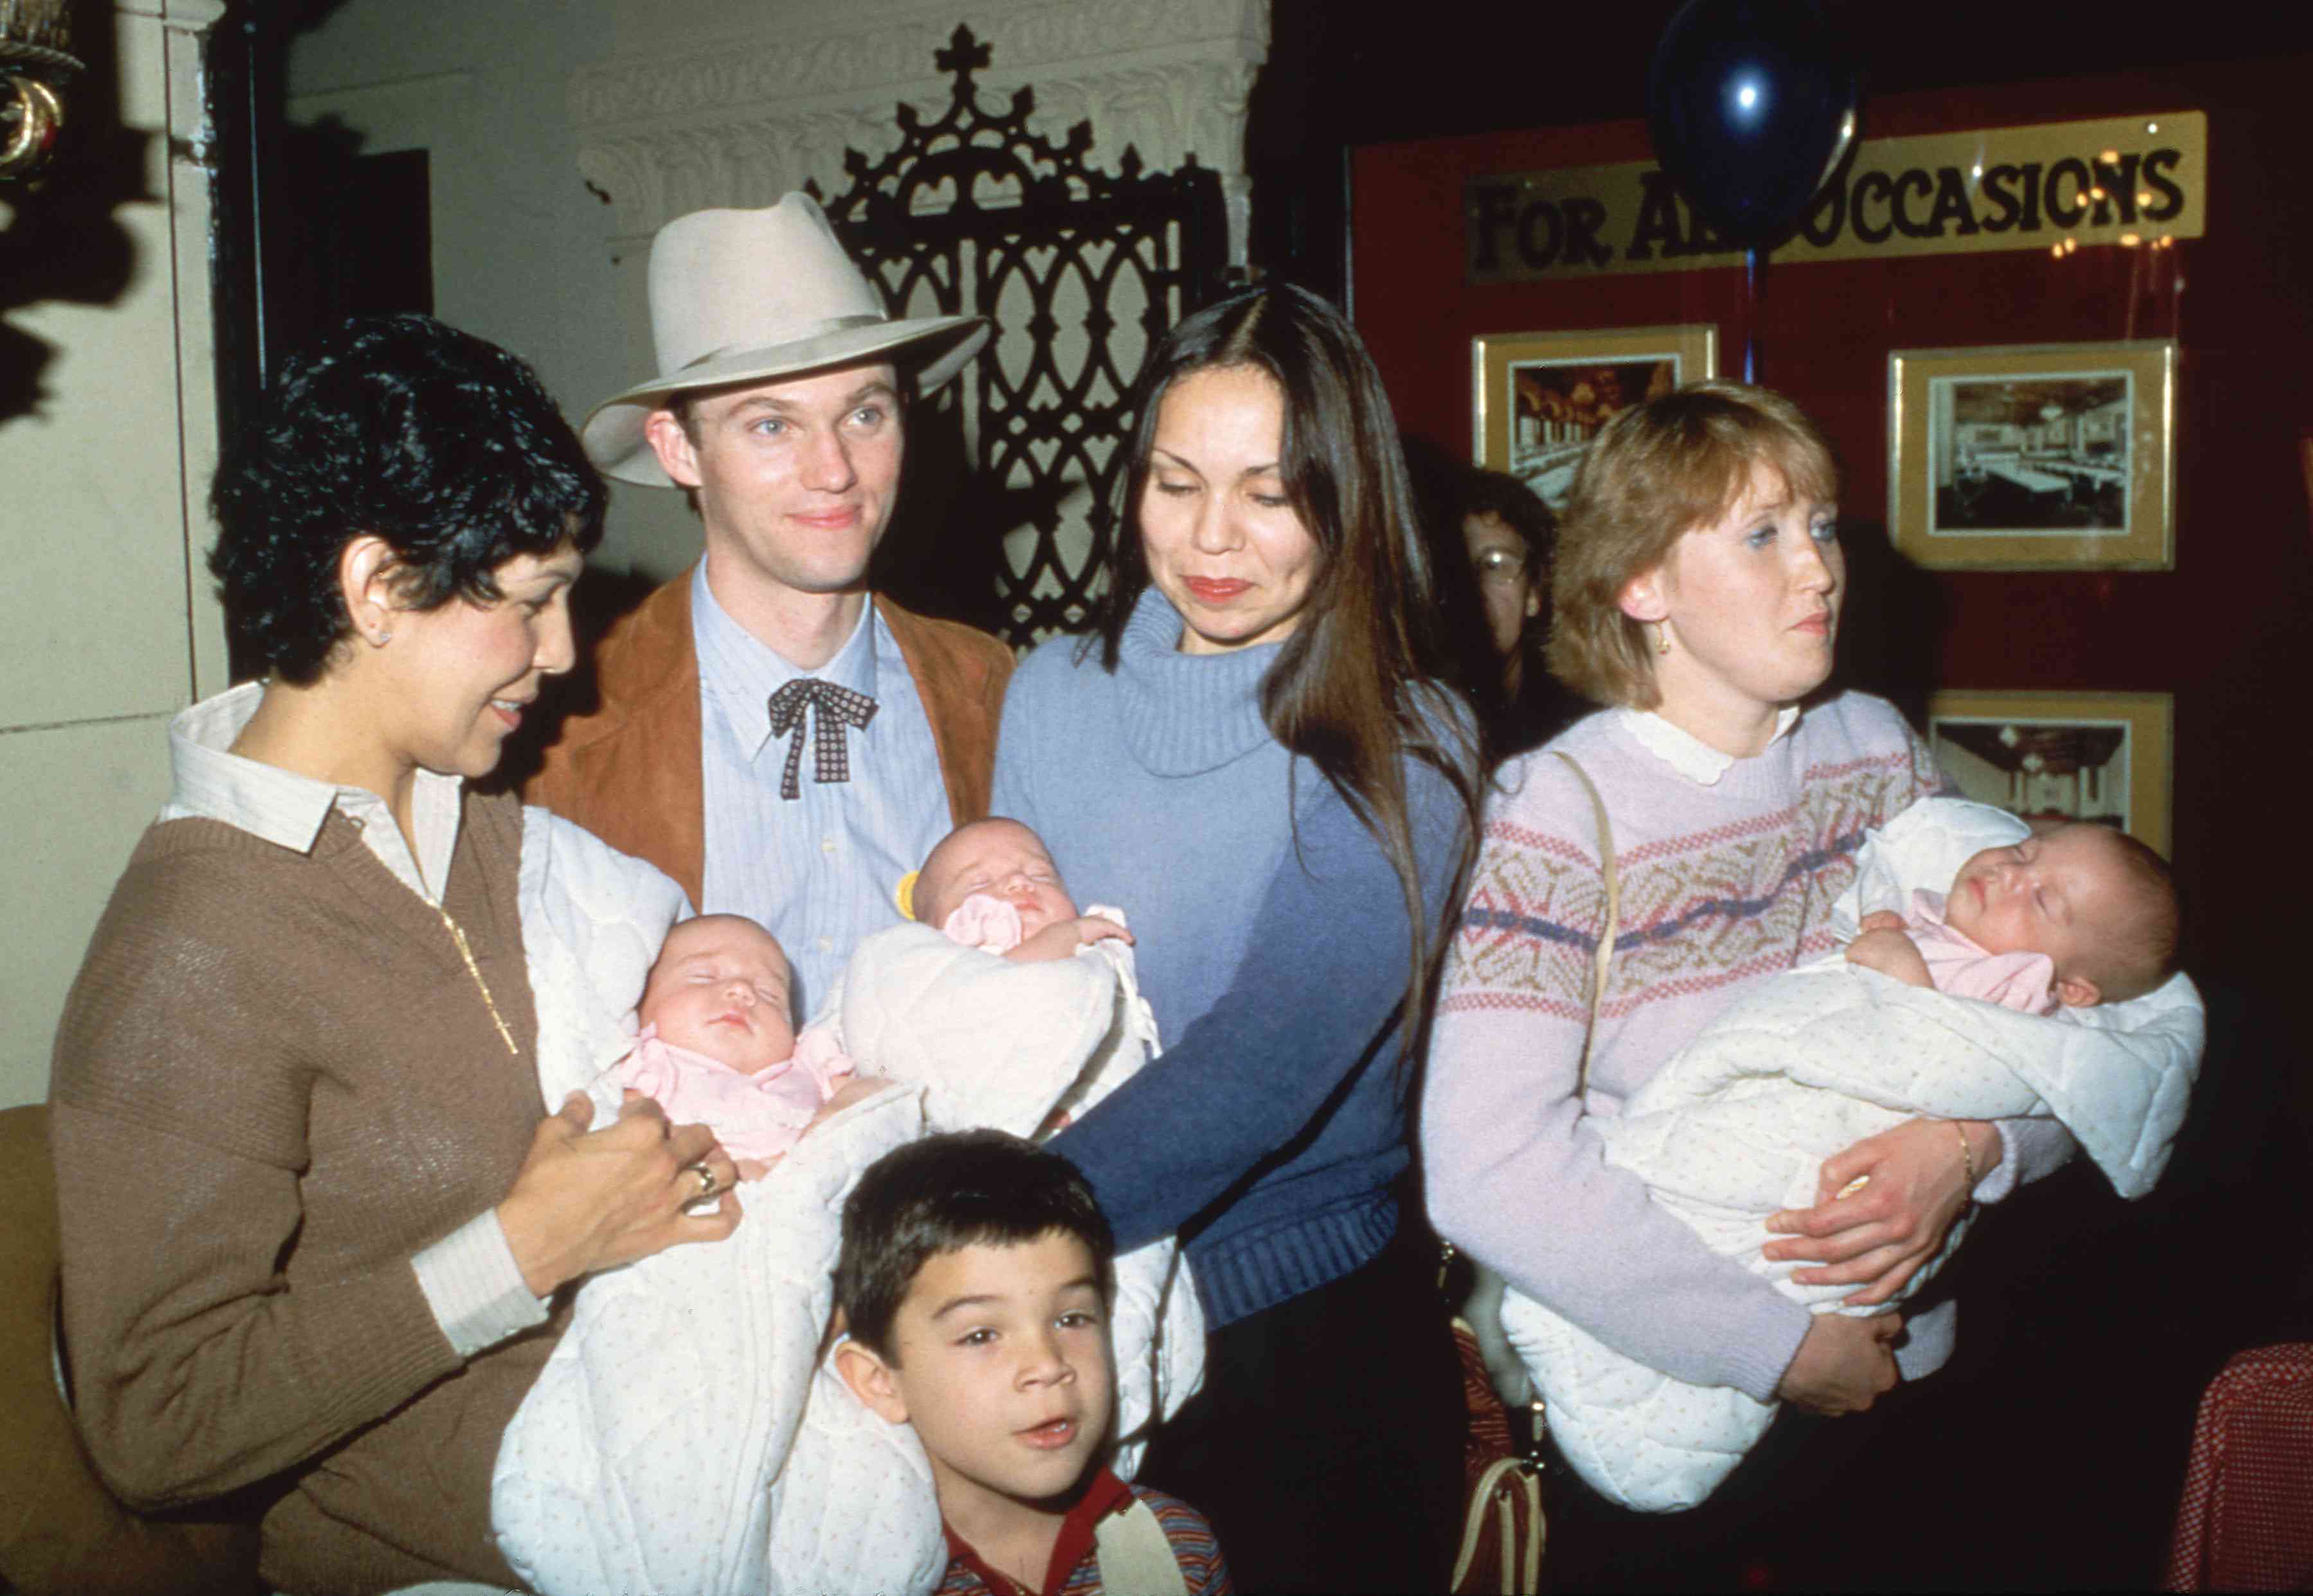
(275, 1081)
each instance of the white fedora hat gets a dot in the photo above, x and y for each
(741, 295)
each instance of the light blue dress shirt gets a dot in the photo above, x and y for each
(819, 871)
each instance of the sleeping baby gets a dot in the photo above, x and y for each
(2074, 930)
(990, 885)
(718, 1044)
(2076, 916)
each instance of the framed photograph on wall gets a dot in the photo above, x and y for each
(2100, 756)
(1539, 398)
(2033, 456)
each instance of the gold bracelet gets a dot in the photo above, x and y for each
(1968, 1151)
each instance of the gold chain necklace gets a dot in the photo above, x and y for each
(466, 952)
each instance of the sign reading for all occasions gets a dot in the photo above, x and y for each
(2117, 180)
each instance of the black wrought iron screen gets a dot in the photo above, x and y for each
(1083, 271)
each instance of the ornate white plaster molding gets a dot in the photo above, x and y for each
(653, 175)
(782, 64)
(743, 120)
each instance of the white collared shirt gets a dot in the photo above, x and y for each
(820, 870)
(210, 781)
(1689, 754)
(470, 1278)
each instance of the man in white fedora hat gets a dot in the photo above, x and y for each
(781, 745)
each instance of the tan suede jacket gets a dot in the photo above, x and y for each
(629, 772)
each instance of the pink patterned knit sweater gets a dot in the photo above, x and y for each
(1723, 883)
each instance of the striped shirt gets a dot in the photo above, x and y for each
(819, 871)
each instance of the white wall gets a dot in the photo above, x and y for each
(664, 106)
(522, 251)
(106, 624)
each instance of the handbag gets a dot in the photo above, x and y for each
(1504, 1526)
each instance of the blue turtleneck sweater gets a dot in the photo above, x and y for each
(1271, 1133)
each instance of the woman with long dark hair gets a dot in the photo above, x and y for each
(1252, 758)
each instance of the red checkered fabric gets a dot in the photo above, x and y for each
(2245, 1522)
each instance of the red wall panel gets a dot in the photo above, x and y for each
(2224, 632)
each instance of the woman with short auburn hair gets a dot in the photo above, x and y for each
(1254, 758)
(1655, 472)
(1697, 592)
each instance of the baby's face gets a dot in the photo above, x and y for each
(2058, 893)
(1001, 857)
(720, 988)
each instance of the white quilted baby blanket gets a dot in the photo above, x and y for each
(683, 1439)
(995, 1043)
(1738, 1125)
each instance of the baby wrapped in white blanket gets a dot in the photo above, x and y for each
(684, 1437)
(1737, 1126)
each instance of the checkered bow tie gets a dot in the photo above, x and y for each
(839, 706)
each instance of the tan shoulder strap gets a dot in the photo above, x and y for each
(1614, 909)
(1507, 1485)
(1135, 1557)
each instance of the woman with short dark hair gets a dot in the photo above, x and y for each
(1254, 759)
(315, 1213)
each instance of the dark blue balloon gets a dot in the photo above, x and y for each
(1751, 103)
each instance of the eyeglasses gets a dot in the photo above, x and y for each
(1500, 565)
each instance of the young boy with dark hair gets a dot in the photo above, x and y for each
(974, 1281)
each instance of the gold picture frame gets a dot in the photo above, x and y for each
(2102, 756)
(1538, 398)
(2034, 456)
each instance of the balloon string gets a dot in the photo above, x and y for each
(1753, 264)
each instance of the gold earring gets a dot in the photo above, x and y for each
(1662, 637)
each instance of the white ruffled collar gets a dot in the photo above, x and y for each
(1689, 754)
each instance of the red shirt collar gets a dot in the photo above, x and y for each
(1103, 1495)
